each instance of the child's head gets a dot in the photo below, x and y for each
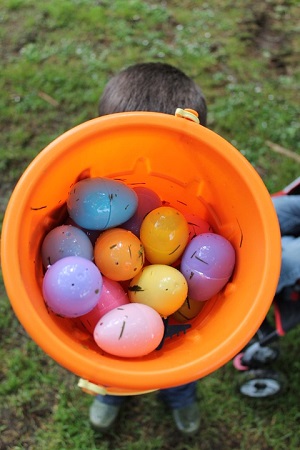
(154, 87)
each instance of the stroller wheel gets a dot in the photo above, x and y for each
(261, 383)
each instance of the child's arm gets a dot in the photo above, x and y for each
(288, 212)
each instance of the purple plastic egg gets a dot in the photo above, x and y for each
(202, 288)
(207, 264)
(101, 203)
(72, 286)
(147, 201)
(65, 240)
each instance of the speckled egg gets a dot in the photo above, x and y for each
(129, 331)
(101, 203)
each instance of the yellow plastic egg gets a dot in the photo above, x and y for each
(159, 286)
(164, 234)
(188, 310)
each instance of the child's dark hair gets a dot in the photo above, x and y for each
(155, 87)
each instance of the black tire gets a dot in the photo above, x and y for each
(261, 383)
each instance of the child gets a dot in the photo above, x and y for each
(288, 212)
(154, 87)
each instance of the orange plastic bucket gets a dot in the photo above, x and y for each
(193, 169)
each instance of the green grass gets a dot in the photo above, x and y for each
(56, 57)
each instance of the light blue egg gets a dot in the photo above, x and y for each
(101, 203)
(63, 241)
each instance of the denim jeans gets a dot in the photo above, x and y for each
(176, 397)
(288, 212)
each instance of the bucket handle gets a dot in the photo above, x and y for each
(188, 114)
(94, 389)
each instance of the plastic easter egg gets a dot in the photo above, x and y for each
(188, 310)
(202, 288)
(197, 225)
(112, 296)
(147, 201)
(164, 234)
(72, 286)
(159, 286)
(65, 240)
(119, 254)
(91, 234)
(207, 264)
(129, 331)
(101, 203)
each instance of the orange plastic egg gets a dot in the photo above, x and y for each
(119, 254)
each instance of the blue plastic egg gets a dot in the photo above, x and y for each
(65, 240)
(91, 234)
(101, 203)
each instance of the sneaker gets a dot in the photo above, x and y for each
(187, 419)
(103, 416)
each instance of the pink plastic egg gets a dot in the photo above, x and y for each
(72, 286)
(207, 264)
(129, 331)
(147, 201)
(112, 296)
